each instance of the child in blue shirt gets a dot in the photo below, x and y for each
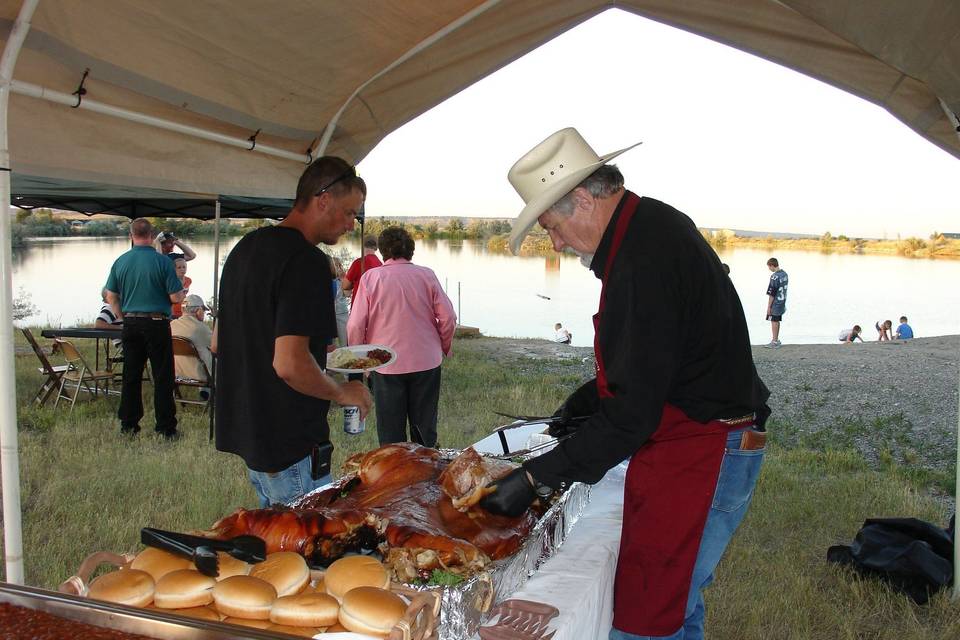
(904, 331)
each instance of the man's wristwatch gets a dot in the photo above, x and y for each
(543, 491)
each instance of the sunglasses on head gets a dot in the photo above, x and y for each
(349, 173)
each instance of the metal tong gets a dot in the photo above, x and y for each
(523, 421)
(203, 551)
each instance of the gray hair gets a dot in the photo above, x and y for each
(602, 183)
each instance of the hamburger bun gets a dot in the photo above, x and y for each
(285, 570)
(336, 628)
(228, 566)
(182, 589)
(244, 622)
(244, 597)
(371, 610)
(305, 610)
(159, 563)
(306, 632)
(198, 613)
(127, 586)
(355, 571)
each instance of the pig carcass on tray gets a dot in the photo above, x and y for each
(419, 510)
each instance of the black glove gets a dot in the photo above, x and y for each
(581, 403)
(514, 493)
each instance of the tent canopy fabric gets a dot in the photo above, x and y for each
(286, 74)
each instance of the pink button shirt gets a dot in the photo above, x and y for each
(401, 305)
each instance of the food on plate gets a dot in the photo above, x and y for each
(244, 597)
(371, 610)
(21, 622)
(159, 563)
(351, 572)
(344, 358)
(127, 586)
(467, 477)
(183, 588)
(391, 500)
(286, 571)
(305, 610)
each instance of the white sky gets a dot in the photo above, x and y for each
(730, 139)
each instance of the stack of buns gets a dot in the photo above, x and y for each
(276, 594)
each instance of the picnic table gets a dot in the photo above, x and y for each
(89, 333)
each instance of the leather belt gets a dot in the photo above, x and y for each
(747, 419)
(151, 316)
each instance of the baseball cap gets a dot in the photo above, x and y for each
(194, 300)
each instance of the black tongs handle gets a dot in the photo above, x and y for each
(166, 540)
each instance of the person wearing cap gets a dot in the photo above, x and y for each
(166, 241)
(190, 325)
(140, 289)
(676, 389)
(274, 321)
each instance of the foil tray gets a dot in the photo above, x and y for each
(464, 607)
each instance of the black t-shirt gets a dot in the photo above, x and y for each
(272, 285)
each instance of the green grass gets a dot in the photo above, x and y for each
(84, 489)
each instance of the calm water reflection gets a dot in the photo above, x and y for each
(524, 297)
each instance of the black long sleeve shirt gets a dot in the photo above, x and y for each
(672, 331)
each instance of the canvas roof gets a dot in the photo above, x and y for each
(285, 69)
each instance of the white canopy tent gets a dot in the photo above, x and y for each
(213, 100)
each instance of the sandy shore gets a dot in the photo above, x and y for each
(890, 400)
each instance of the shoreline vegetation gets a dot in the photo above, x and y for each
(493, 232)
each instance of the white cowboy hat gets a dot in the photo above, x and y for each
(549, 171)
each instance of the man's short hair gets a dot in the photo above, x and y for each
(903, 318)
(772, 262)
(328, 174)
(370, 242)
(602, 183)
(141, 228)
(395, 242)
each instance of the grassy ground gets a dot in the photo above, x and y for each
(84, 488)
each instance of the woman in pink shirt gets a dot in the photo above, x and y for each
(401, 305)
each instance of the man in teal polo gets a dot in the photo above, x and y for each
(141, 286)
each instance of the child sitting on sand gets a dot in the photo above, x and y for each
(849, 335)
(904, 331)
(883, 330)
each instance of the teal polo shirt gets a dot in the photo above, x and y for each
(144, 279)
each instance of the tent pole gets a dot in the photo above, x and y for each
(216, 290)
(42, 93)
(420, 46)
(952, 117)
(956, 548)
(9, 448)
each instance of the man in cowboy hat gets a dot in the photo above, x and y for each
(676, 390)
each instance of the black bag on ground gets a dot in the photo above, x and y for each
(913, 556)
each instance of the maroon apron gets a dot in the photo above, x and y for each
(667, 496)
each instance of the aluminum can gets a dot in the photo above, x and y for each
(352, 423)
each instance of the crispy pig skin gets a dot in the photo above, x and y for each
(403, 500)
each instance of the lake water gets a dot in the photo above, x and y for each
(523, 297)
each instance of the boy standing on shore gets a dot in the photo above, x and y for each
(776, 300)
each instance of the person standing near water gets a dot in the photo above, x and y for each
(776, 300)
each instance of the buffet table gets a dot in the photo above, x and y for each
(578, 580)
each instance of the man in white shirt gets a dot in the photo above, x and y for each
(190, 326)
(563, 336)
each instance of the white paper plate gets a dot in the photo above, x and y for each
(360, 351)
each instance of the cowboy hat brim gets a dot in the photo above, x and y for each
(535, 208)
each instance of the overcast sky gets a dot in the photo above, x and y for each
(732, 140)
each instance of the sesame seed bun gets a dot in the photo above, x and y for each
(355, 571)
(244, 597)
(285, 570)
(159, 563)
(371, 610)
(182, 589)
(305, 610)
(126, 586)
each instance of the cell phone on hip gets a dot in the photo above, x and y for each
(320, 460)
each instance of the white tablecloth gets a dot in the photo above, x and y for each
(578, 580)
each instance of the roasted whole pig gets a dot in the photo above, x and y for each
(417, 509)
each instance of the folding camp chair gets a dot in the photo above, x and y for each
(52, 373)
(184, 348)
(79, 374)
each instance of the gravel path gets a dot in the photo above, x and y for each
(893, 401)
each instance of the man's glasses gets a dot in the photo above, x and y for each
(349, 173)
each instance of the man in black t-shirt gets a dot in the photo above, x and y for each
(275, 319)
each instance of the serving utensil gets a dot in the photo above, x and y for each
(203, 551)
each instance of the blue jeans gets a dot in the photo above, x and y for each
(285, 486)
(738, 476)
